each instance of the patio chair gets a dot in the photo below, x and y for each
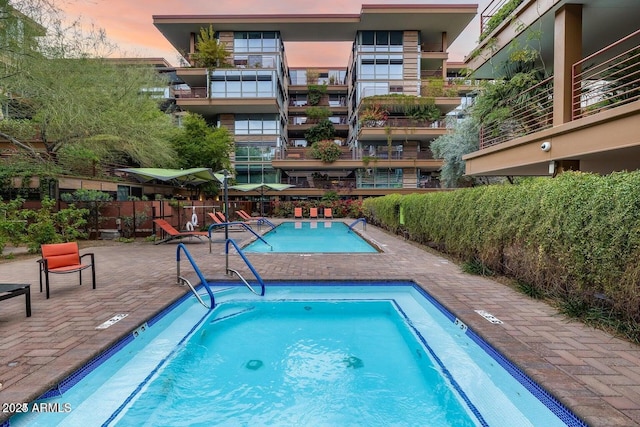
(313, 213)
(246, 217)
(63, 258)
(297, 212)
(220, 219)
(328, 213)
(172, 233)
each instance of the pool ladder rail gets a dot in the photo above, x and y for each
(242, 224)
(181, 280)
(354, 223)
(246, 261)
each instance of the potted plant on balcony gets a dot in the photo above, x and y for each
(373, 116)
(210, 52)
(326, 150)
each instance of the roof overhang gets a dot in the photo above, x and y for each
(428, 19)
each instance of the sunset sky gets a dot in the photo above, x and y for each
(130, 25)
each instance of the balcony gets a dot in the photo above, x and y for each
(528, 112)
(607, 79)
(401, 128)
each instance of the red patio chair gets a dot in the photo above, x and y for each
(63, 258)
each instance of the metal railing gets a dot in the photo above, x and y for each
(246, 261)
(607, 79)
(242, 224)
(490, 11)
(528, 112)
(180, 279)
(359, 220)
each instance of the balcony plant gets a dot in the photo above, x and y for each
(316, 114)
(316, 92)
(326, 150)
(323, 130)
(424, 112)
(373, 116)
(210, 52)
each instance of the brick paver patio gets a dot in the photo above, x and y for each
(594, 374)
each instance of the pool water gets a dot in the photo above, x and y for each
(357, 354)
(311, 237)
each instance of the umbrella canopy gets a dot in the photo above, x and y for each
(192, 176)
(261, 187)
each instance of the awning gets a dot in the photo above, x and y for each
(262, 187)
(192, 176)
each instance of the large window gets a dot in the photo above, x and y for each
(255, 174)
(379, 178)
(381, 41)
(243, 83)
(255, 152)
(380, 67)
(256, 124)
(255, 41)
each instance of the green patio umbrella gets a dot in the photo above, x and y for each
(262, 187)
(192, 176)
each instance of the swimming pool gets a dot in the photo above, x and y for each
(374, 353)
(311, 237)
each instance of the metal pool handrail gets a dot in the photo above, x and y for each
(266, 221)
(246, 226)
(362, 220)
(246, 261)
(204, 282)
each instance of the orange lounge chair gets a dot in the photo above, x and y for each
(328, 213)
(62, 258)
(246, 217)
(218, 218)
(313, 213)
(175, 234)
(297, 212)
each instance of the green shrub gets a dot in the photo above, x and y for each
(569, 238)
(326, 150)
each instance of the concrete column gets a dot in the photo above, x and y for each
(567, 50)
(445, 47)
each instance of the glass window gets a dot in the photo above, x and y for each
(367, 37)
(395, 38)
(240, 42)
(382, 38)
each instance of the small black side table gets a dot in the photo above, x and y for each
(10, 290)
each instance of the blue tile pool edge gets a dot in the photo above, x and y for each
(553, 404)
(547, 399)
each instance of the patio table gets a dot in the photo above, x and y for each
(10, 290)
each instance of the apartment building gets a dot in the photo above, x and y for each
(385, 105)
(586, 114)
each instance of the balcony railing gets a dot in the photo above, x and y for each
(603, 81)
(496, 12)
(382, 153)
(528, 112)
(403, 122)
(195, 92)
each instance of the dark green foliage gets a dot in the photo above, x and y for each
(326, 150)
(199, 145)
(316, 92)
(572, 237)
(475, 266)
(499, 17)
(529, 289)
(323, 130)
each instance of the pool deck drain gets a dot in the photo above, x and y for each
(595, 375)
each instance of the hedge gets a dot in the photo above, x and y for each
(572, 238)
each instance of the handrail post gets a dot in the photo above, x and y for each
(204, 282)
